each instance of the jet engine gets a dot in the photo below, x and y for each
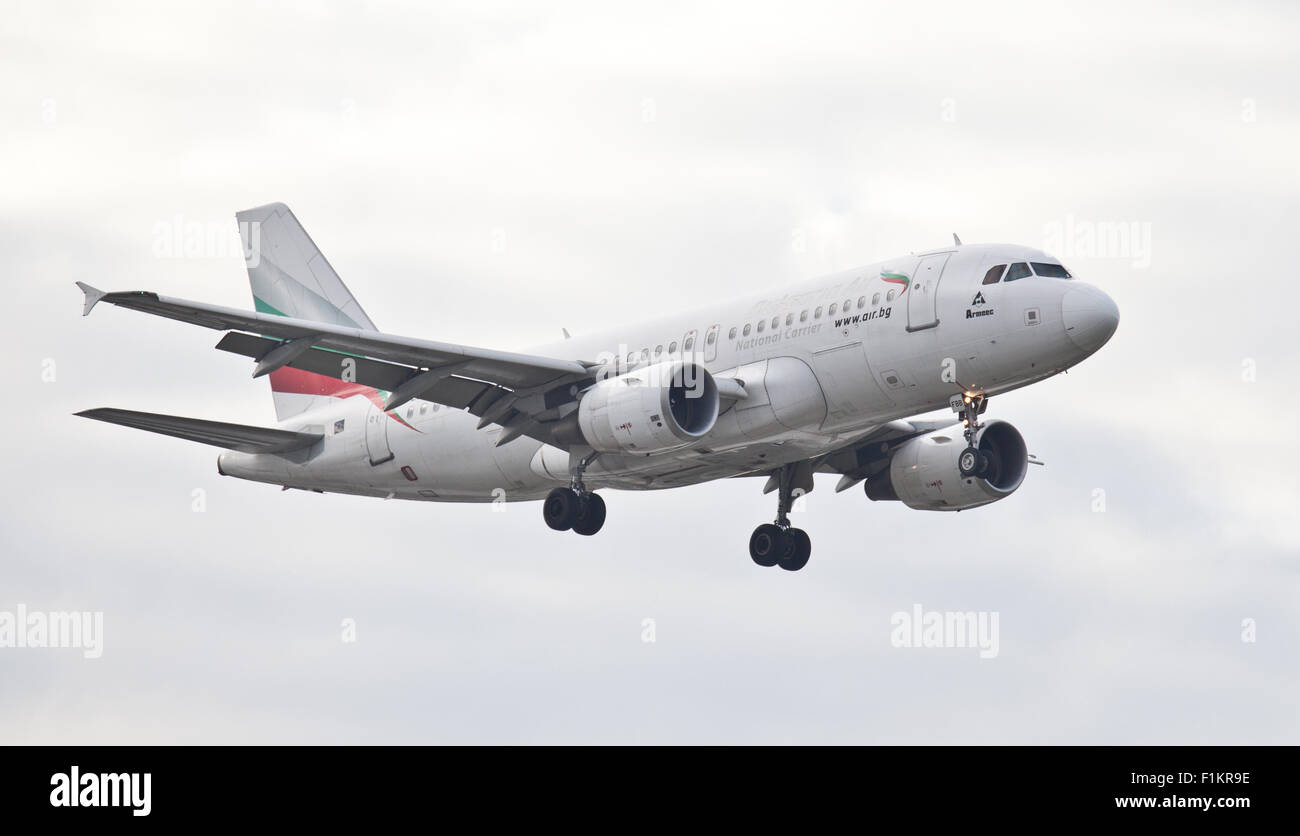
(923, 471)
(650, 410)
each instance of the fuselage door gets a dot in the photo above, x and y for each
(711, 344)
(923, 292)
(377, 436)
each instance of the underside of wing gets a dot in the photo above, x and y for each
(869, 454)
(865, 455)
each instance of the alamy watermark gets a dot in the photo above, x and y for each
(58, 629)
(1076, 238)
(179, 238)
(934, 628)
(75, 788)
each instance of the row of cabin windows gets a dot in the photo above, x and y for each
(1021, 270)
(761, 326)
(410, 411)
(803, 315)
(688, 345)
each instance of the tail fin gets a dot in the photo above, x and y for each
(290, 277)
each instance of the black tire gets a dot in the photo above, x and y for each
(591, 515)
(560, 509)
(800, 553)
(767, 545)
(968, 462)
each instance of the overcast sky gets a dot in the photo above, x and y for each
(489, 173)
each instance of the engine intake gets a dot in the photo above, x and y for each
(658, 408)
(923, 472)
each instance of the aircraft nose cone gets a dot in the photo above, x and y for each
(1089, 316)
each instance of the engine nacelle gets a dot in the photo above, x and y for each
(651, 410)
(923, 471)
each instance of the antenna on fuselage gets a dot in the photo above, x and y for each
(956, 240)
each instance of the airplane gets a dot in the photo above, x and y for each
(820, 377)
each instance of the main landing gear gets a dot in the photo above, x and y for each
(970, 406)
(575, 508)
(779, 544)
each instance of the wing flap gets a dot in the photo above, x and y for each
(241, 437)
(454, 391)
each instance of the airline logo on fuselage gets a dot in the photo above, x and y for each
(896, 278)
(978, 301)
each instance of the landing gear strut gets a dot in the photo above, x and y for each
(970, 406)
(779, 544)
(575, 508)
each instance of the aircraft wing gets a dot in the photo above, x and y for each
(522, 392)
(864, 456)
(239, 437)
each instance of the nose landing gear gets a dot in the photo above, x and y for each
(970, 406)
(780, 544)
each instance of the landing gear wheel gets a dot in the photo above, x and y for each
(560, 509)
(591, 515)
(768, 545)
(973, 462)
(800, 552)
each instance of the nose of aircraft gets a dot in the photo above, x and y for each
(1089, 315)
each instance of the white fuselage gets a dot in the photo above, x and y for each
(833, 358)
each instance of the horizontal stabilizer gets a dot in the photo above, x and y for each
(239, 437)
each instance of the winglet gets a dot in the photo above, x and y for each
(956, 240)
(93, 295)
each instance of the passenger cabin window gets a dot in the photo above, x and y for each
(848, 303)
(762, 325)
(803, 316)
(862, 302)
(1050, 271)
(789, 319)
(831, 312)
(731, 335)
(689, 344)
(659, 351)
(1017, 271)
(776, 322)
(817, 314)
(746, 331)
(994, 274)
(889, 297)
(711, 338)
(672, 347)
(875, 299)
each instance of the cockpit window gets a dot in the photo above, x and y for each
(1051, 271)
(1017, 271)
(994, 273)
